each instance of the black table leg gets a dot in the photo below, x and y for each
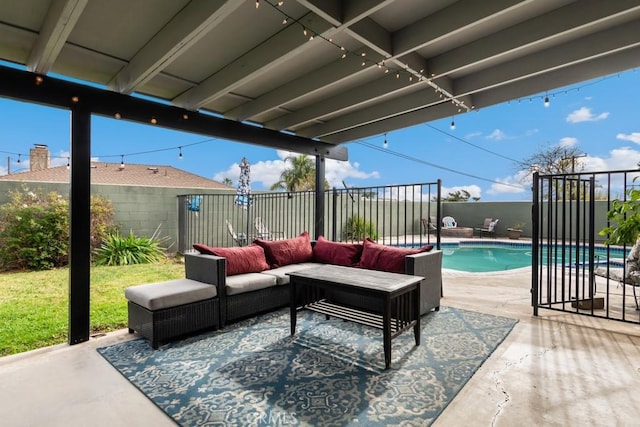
(416, 313)
(293, 305)
(386, 331)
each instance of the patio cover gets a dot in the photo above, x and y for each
(301, 75)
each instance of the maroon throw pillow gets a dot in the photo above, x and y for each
(288, 251)
(337, 253)
(247, 259)
(386, 258)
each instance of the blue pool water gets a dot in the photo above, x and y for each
(485, 258)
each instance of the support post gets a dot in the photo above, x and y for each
(80, 220)
(320, 177)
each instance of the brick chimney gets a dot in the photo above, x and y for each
(39, 158)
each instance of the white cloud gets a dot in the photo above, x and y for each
(619, 159)
(584, 114)
(472, 135)
(568, 141)
(513, 184)
(633, 137)
(497, 135)
(474, 190)
(265, 173)
(60, 159)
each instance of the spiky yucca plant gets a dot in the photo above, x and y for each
(126, 250)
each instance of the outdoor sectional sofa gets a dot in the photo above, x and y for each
(253, 279)
(240, 282)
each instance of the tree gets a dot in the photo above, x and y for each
(301, 176)
(227, 181)
(553, 161)
(457, 196)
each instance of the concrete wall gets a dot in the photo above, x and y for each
(141, 209)
(472, 214)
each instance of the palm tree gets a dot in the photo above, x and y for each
(299, 177)
(227, 181)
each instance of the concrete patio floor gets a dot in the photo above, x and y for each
(553, 370)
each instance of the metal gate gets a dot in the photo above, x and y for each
(572, 269)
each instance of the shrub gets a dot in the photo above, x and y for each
(101, 220)
(358, 228)
(624, 217)
(34, 229)
(125, 250)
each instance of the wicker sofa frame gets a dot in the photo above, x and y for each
(160, 326)
(212, 270)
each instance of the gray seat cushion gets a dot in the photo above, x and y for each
(280, 273)
(172, 293)
(248, 282)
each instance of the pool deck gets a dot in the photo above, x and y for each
(556, 369)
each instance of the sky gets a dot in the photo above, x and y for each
(600, 117)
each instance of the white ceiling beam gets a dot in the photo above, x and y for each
(183, 31)
(344, 13)
(389, 124)
(574, 17)
(369, 92)
(317, 80)
(447, 22)
(329, 10)
(370, 34)
(280, 48)
(394, 107)
(574, 52)
(601, 66)
(605, 65)
(61, 17)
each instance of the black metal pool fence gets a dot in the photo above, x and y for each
(391, 214)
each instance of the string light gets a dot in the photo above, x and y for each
(418, 75)
(453, 124)
(19, 158)
(153, 120)
(122, 161)
(180, 155)
(546, 101)
(68, 163)
(257, 4)
(117, 116)
(385, 144)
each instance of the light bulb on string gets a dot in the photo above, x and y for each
(385, 143)
(19, 157)
(68, 163)
(257, 4)
(180, 154)
(122, 161)
(546, 101)
(453, 124)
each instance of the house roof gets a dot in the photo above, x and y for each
(280, 65)
(131, 174)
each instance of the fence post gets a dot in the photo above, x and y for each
(319, 196)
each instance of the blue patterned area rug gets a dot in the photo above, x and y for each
(331, 373)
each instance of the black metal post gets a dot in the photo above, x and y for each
(535, 230)
(320, 176)
(80, 220)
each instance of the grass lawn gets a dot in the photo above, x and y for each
(34, 306)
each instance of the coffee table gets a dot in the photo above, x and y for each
(399, 294)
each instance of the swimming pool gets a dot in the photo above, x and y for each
(496, 256)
